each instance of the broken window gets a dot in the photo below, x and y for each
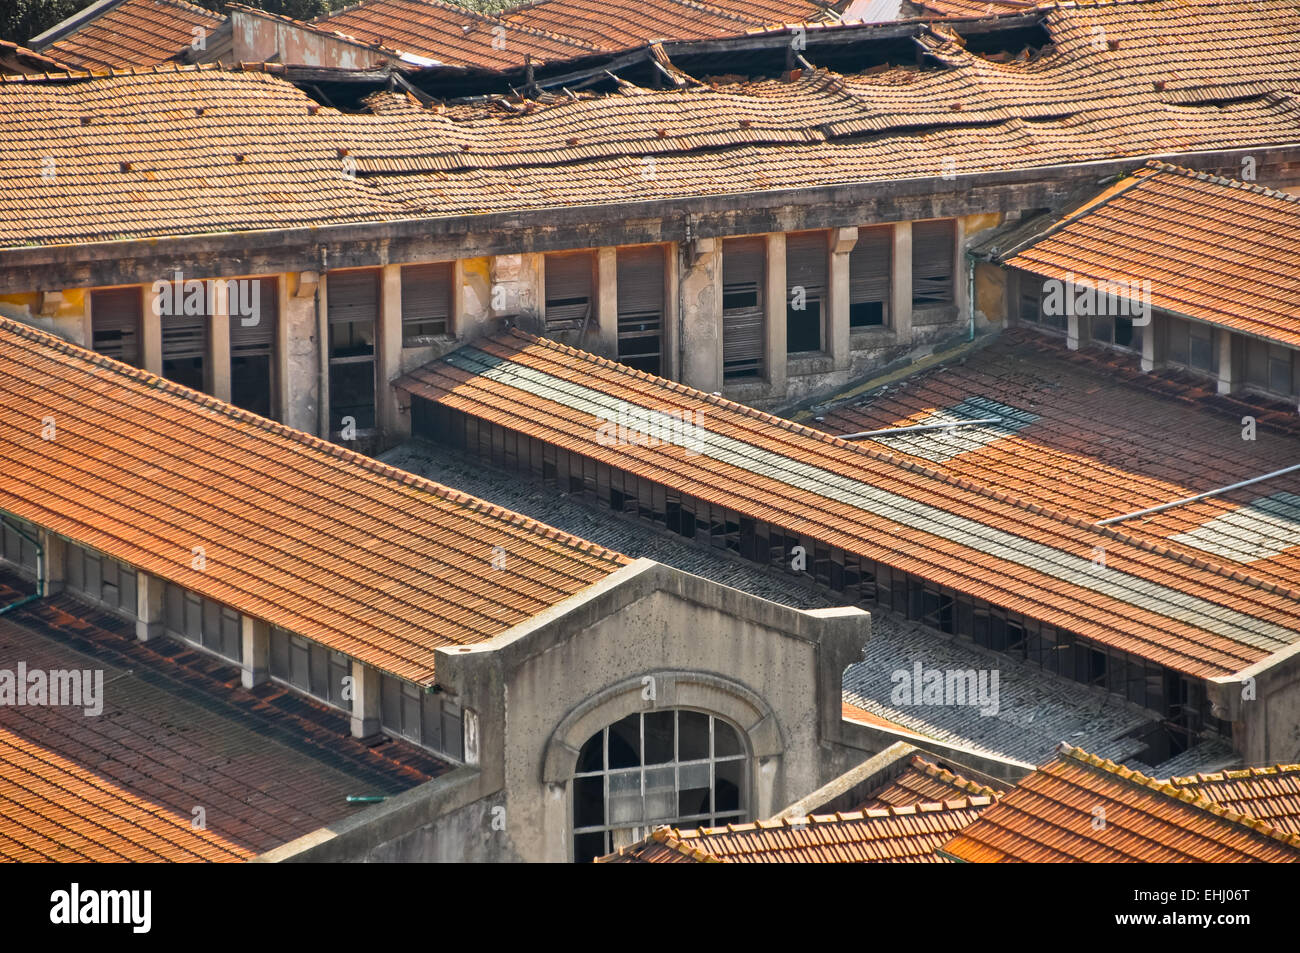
(870, 267)
(679, 767)
(744, 266)
(18, 547)
(806, 280)
(641, 307)
(570, 280)
(252, 351)
(353, 298)
(1191, 344)
(934, 247)
(426, 302)
(115, 320)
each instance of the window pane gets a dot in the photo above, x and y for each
(693, 735)
(727, 787)
(658, 737)
(725, 740)
(625, 743)
(587, 847)
(592, 756)
(588, 802)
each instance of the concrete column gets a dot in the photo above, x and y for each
(961, 272)
(388, 348)
(256, 666)
(900, 304)
(151, 334)
(148, 606)
(669, 364)
(219, 347)
(279, 358)
(775, 300)
(296, 353)
(1149, 344)
(1225, 360)
(842, 241)
(55, 570)
(87, 334)
(607, 302)
(365, 700)
(322, 337)
(1072, 330)
(699, 340)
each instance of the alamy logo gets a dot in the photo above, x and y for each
(71, 688)
(631, 425)
(237, 297)
(949, 687)
(74, 906)
(1127, 298)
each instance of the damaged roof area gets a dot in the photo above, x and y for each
(199, 150)
(1218, 250)
(1162, 603)
(365, 559)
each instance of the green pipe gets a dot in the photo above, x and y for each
(40, 569)
(365, 798)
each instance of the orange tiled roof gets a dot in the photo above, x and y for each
(923, 781)
(1104, 440)
(368, 560)
(1194, 615)
(1268, 794)
(19, 60)
(129, 33)
(261, 155)
(451, 34)
(1179, 229)
(893, 835)
(1081, 808)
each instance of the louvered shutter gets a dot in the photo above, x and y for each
(743, 267)
(933, 251)
(353, 296)
(805, 263)
(426, 301)
(568, 291)
(257, 339)
(115, 318)
(641, 307)
(870, 265)
(185, 336)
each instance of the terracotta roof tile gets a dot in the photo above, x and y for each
(1080, 808)
(1195, 616)
(19, 60)
(368, 560)
(923, 782)
(1178, 229)
(1269, 794)
(133, 33)
(892, 835)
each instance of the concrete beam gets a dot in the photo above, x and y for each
(365, 700)
(149, 592)
(900, 301)
(776, 297)
(256, 665)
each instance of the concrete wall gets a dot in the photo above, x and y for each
(262, 39)
(1263, 704)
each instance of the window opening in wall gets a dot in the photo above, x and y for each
(116, 316)
(569, 280)
(806, 280)
(426, 302)
(641, 293)
(252, 352)
(934, 248)
(353, 298)
(744, 267)
(870, 268)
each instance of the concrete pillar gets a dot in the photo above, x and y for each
(219, 347)
(842, 241)
(775, 300)
(1225, 360)
(72, 313)
(322, 337)
(365, 700)
(279, 357)
(148, 606)
(699, 340)
(961, 272)
(256, 666)
(1149, 344)
(900, 282)
(296, 352)
(1072, 330)
(607, 302)
(670, 364)
(388, 348)
(150, 334)
(55, 569)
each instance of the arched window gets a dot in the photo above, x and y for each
(684, 768)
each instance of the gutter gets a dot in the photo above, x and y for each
(40, 570)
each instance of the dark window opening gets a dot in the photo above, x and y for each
(641, 294)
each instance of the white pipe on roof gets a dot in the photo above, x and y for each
(888, 431)
(1200, 496)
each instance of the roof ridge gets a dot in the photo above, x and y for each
(370, 464)
(1225, 181)
(1237, 774)
(1187, 796)
(885, 456)
(949, 777)
(672, 838)
(494, 18)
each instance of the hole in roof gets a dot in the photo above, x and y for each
(1261, 529)
(941, 445)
